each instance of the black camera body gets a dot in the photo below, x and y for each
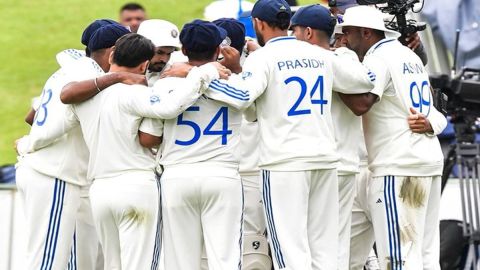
(459, 97)
(399, 9)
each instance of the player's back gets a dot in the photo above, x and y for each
(207, 132)
(294, 111)
(65, 158)
(390, 142)
(111, 133)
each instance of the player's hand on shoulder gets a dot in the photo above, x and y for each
(231, 59)
(418, 122)
(180, 70)
(223, 71)
(132, 78)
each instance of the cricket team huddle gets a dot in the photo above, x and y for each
(202, 148)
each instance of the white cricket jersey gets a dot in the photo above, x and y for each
(401, 83)
(208, 131)
(291, 83)
(348, 136)
(248, 148)
(52, 150)
(152, 78)
(110, 121)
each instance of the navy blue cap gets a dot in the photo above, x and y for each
(316, 17)
(268, 10)
(200, 36)
(106, 36)
(235, 31)
(91, 28)
(344, 4)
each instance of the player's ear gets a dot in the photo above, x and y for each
(110, 57)
(260, 24)
(365, 33)
(143, 67)
(308, 33)
(184, 51)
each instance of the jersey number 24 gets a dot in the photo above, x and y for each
(317, 87)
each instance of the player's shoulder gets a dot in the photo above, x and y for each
(168, 83)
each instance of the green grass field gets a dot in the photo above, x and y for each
(33, 31)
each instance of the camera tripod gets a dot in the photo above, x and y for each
(466, 155)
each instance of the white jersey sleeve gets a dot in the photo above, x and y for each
(351, 76)
(152, 126)
(49, 133)
(241, 90)
(166, 100)
(437, 121)
(383, 80)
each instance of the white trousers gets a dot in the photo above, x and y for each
(346, 194)
(362, 237)
(50, 207)
(202, 210)
(126, 212)
(86, 251)
(301, 210)
(404, 212)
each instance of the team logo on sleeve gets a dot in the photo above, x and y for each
(246, 75)
(154, 99)
(372, 76)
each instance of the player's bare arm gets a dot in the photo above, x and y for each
(29, 117)
(359, 104)
(148, 140)
(76, 92)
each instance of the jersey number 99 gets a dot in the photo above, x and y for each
(421, 97)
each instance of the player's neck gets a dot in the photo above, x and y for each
(116, 68)
(101, 60)
(321, 43)
(197, 63)
(274, 33)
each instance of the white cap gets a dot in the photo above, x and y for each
(161, 33)
(368, 17)
(225, 9)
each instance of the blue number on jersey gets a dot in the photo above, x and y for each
(43, 107)
(196, 128)
(421, 97)
(224, 131)
(223, 112)
(321, 101)
(303, 90)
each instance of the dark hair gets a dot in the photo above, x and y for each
(132, 6)
(132, 49)
(282, 22)
(201, 56)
